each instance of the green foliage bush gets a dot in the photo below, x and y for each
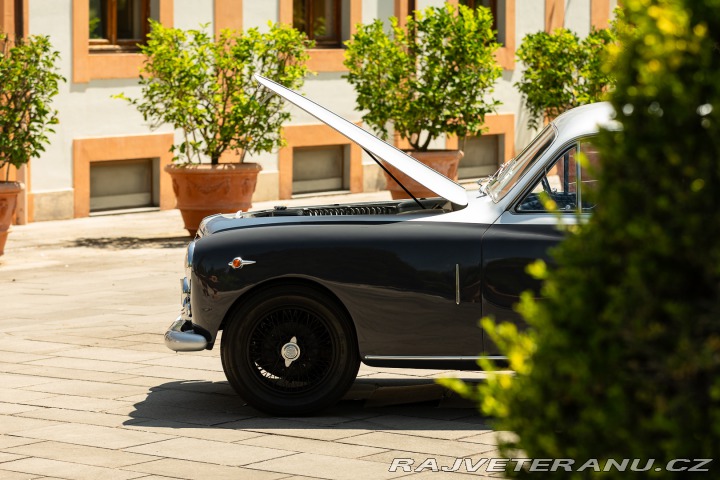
(205, 87)
(622, 359)
(562, 71)
(431, 78)
(29, 81)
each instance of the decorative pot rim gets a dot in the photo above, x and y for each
(430, 150)
(436, 151)
(201, 168)
(11, 187)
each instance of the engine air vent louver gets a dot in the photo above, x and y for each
(347, 210)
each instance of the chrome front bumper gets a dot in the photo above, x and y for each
(180, 337)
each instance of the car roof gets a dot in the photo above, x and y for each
(585, 120)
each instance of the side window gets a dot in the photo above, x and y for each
(565, 181)
(588, 180)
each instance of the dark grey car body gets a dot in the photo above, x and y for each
(414, 280)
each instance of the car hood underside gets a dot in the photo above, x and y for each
(375, 147)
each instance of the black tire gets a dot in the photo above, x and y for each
(260, 331)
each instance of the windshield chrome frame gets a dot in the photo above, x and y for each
(506, 168)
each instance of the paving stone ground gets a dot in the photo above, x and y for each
(89, 391)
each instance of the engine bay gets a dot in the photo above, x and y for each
(402, 207)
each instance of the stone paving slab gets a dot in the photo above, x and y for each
(82, 454)
(70, 470)
(326, 466)
(174, 468)
(89, 391)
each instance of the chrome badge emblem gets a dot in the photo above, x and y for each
(237, 263)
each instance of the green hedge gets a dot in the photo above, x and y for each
(623, 356)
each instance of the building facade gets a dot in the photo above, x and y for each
(103, 156)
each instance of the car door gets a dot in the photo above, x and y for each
(534, 223)
(413, 288)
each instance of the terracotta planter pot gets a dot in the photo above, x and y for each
(443, 161)
(203, 190)
(8, 201)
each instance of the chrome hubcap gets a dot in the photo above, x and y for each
(290, 351)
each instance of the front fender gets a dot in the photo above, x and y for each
(397, 280)
(322, 253)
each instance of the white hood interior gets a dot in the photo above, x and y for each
(419, 172)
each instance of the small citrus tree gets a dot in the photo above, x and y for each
(205, 87)
(29, 82)
(562, 71)
(622, 360)
(431, 78)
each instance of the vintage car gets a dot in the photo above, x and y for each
(303, 295)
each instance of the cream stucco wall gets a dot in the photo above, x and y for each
(577, 16)
(257, 14)
(529, 18)
(88, 109)
(373, 9)
(191, 14)
(429, 3)
(52, 171)
(85, 110)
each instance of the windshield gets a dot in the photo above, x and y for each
(509, 175)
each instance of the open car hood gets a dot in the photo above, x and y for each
(419, 172)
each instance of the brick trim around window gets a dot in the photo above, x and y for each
(105, 149)
(600, 14)
(496, 124)
(228, 14)
(315, 136)
(89, 65)
(10, 21)
(554, 15)
(324, 59)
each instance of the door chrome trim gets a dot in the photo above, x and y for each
(512, 218)
(434, 358)
(457, 284)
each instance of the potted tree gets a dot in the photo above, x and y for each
(562, 71)
(431, 78)
(205, 88)
(29, 81)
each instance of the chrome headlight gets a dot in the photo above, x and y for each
(189, 257)
(185, 307)
(186, 283)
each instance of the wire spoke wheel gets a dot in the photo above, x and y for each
(290, 351)
(270, 336)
